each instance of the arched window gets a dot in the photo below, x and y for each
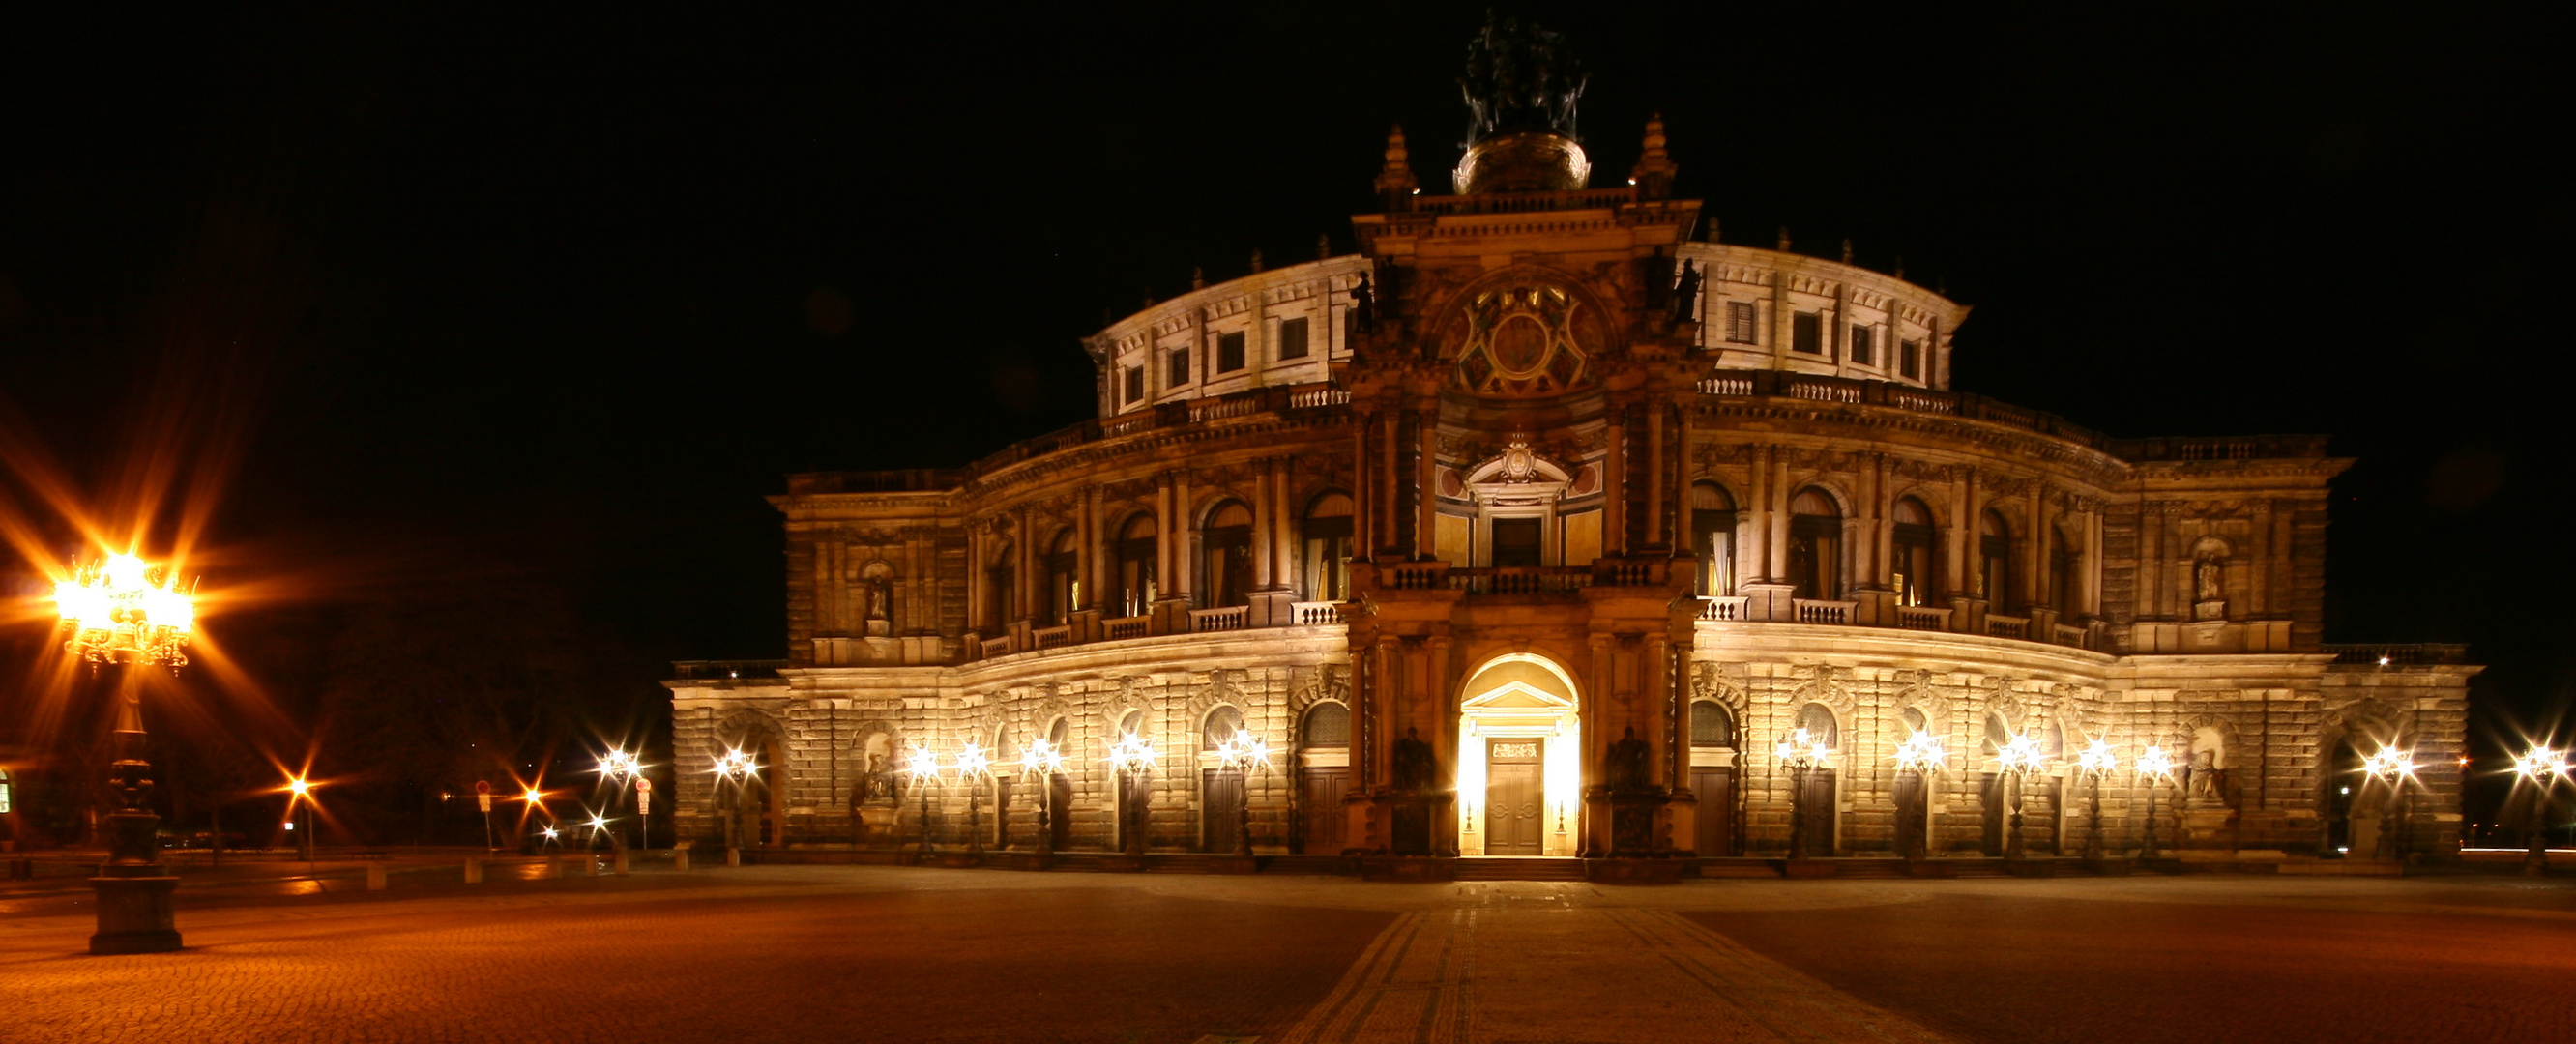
(1225, 568)
(2062, 582)
(1994, 560)
(1006, 750)
(1914, 719)
(1136, 590)
(1713, 538)
(1063, 572)
(1057, 733)
(1711, 726)
(1222, 724)
(1815, 545)
(1819, 724)
(1328, 725)
(1997, 734)
(1132, 724)
(1911, 572)
(1328, 548)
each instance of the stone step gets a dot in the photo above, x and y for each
(1519, 868)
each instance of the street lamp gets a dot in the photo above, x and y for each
(924, 767)
(735, 767)
(2018, 760)
(1242, 753)
(1802, 755)
(972, 766)
(2393, 768)
(124, 610)
(624, 770)
(2096, 762)
(2542, 768)
(1922, 755)
(1041, 759)
(1133, 758)
(299, 794)
(2155, 769)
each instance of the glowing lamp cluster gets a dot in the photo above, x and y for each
(2022, 754)
(2541, 765)
(618, 764)
(126, 610)
(1041, 758)
(735, 765)
(1132, 753)
(1244, 751)
(2098, 759)
(1800, 750)
(2155, 762)
(2390, 764)
(1921, 752)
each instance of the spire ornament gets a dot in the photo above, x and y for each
(1396, 186)
(1655, 169)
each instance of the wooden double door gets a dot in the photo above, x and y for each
(1714, 789)
(1515, 797)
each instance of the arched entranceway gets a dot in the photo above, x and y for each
(1520, 759)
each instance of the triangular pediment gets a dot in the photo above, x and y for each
(1516, 696)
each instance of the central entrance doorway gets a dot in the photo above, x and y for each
(1514, 790)
(1519, 767)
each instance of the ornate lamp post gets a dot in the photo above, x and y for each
(1041, 759)
(299, 795)
(1133, 759)
(735, 767)
(125, 611)
(923, 766)
(2096, 762)
(1243, 753)
(1801, 754)
(622, 770)
(1922, 755)
(2392, 768)
(972, 767)
(2542, 768)
(2155, 769)
(2018, 760)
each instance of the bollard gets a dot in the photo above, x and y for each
(621, 862)
(473, 871)
(679, 859)
(733, 856)
(375, 877)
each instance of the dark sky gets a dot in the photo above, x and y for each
(562, 295)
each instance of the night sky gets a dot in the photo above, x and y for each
(549, 301)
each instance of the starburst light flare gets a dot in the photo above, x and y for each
(923, 763)
(2541, 764)
(1132, 753)
(2155, 762)
(2022, 754)
(1921, 752)
(972, 762)
(2098, 758)
(1041, 757)
(2390, 764)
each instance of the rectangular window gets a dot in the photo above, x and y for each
(1292, 338)
(1180, 368)
(1909, 356)
(1739, 322)
(1516, 543)
(1861, 349)
(1135, 385)
(1807, 333)
(1229, 352)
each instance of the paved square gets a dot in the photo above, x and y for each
(867, 953)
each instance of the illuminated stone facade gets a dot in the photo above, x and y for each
(1530, 529)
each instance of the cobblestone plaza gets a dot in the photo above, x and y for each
(884, 953)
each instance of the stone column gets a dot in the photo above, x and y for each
(1426, 477)
(1654, 535)
(1614, 482)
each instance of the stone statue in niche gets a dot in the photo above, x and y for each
(1686, 292)
(1415, 767)
(1626, 769)
(2208, 580)
(1363, 306)
(876, 586)
(2207, 782)
(876, 781)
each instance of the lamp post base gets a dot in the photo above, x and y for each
(135, 913)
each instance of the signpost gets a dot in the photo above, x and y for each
(483, 798)
(644, 811)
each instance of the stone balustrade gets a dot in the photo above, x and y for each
(1770, 604)
(1230, 618)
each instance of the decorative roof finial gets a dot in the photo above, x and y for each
(1323, 246)
(1256, 259)
(1784, 239)
(1395, 182)
(1655, 169)
(1847, 253)
(1900, 266)
(1198, 278)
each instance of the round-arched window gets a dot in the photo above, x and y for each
(1819, 724)
(1328, 725)
(1222, 724)
(1711, 726)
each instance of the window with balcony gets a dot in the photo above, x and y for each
(1136, 556)
(1229, 352)
(1064, 584)
(1713, 538)
(1911, 571)
(1225, 548)
(1292, 338)
(1863, 351)
(1994, 560)
(1807, 333)
(1909, 358)
(1180, 368)
(2062, 580)
(1740, 327)
(1135, 385)
(1815, 546)
(1327, 560)
(1001, 590)
(1516, 543)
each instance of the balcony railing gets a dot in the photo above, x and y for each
(1126, 627)
(2000, 626)
(1922, 618)
(1513, 580)
(1812, 611)
(1052, 637)
(1314, 614)
(1724, 608)
(1765, 605)
(2397, 654)
(1230, 618)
